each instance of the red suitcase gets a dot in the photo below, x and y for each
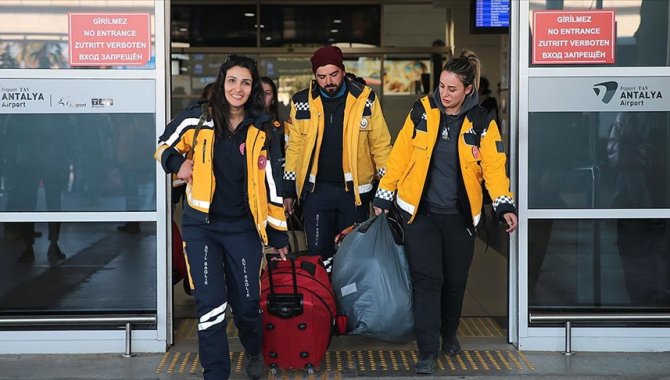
(298, 312)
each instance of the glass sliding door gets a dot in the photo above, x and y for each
(594, 172)
(83, 211)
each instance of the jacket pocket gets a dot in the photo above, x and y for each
(420, 141)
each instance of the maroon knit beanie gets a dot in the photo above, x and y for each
(327, 55)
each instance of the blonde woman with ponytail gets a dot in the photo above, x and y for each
(447, 148)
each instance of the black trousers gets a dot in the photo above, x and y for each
(224, 259)
(439, 250)
(326, 212)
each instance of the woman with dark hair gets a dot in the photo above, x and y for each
(232, 210)
(270, 98)
(446, 147)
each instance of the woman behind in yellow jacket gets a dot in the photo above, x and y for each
(233, 208)
(435, 172)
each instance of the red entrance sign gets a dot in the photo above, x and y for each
(109, 39)
(573, 37)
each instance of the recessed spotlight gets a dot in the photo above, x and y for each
(249, 14)
(334, 30)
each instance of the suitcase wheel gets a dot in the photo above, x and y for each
(302, 326)
(309, 368)
(304, 354)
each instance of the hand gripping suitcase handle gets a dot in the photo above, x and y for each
(283, 305)
(272, 260)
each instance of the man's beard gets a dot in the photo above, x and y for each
(332, 89)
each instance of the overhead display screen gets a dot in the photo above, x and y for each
(489, 16)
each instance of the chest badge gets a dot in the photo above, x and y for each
(475, 152)
(445, 133)
(242, 146)
(364, 123)
(262, 162)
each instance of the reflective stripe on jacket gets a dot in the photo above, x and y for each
(262, 191)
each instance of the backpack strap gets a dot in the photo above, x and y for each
(479, 118)
(204, 116)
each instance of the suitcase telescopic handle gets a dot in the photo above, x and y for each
(271, 260)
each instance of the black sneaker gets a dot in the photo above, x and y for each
(55, 253)
(426, 363)
(255, 366)
(450, 345)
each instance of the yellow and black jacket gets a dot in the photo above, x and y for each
(480, 153)
(366, 140)
(262, 191)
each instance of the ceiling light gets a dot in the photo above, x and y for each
(337, 21)
(249, 14)
(334, 30)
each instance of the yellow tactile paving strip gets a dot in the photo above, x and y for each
(343, 364)
(374, 363)
(469, 327)
(479, 327)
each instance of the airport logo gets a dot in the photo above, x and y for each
(630, 96)
(99, 102)
(66, 101)
(605, 90)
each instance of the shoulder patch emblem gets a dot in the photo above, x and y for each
(262, 161)
(276, 124)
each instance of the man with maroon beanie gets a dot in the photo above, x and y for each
(338, 143)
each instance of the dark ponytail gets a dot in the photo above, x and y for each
(467, 67)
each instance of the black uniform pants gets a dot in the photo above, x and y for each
(439, 250)
(326, 212)
(224, 259)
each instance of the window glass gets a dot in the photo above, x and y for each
(641, 28)
(37, 36)
(296, 25)
(599, 264)
(214, 25)
(598, 160)
(77, 162)
(77, 268)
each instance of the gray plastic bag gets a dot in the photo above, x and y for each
(372, 283)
